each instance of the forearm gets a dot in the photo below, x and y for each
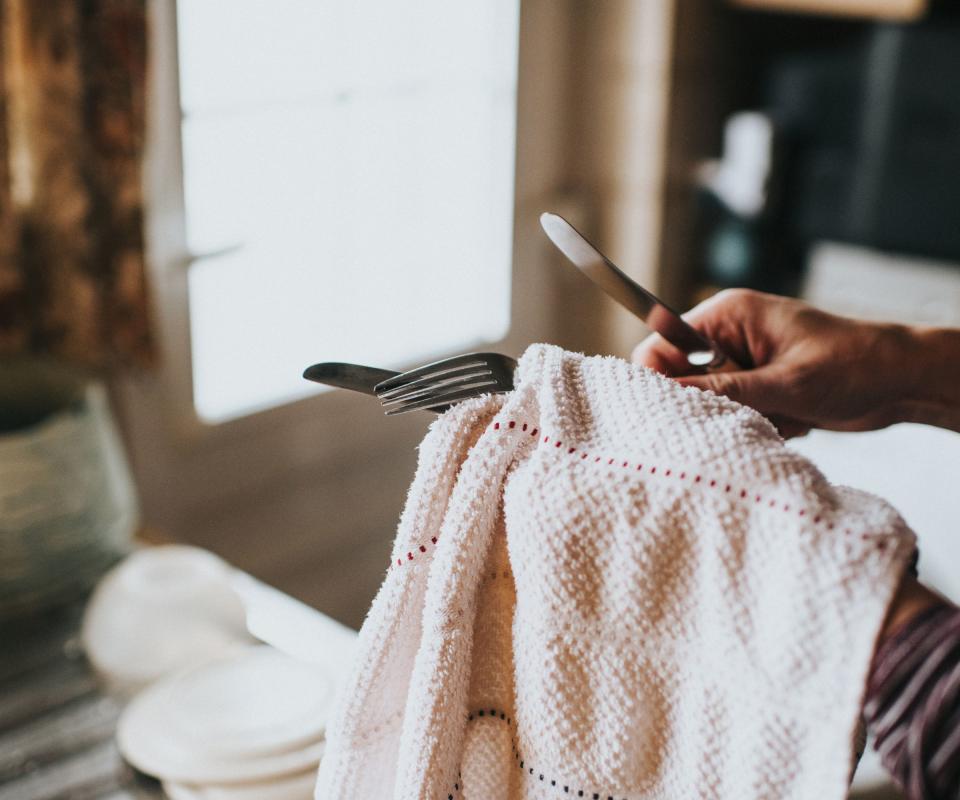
(930, 372)
(912, 597)
(913, 696)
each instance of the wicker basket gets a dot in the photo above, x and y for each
(67, 504)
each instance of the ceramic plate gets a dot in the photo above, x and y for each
(291, 787)
(256, 714)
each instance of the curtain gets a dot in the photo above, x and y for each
(72, 92)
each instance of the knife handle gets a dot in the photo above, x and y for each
(713, 360)
(725, 365)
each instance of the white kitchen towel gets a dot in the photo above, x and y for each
(605, 585)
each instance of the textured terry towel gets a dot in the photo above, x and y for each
(606, 585)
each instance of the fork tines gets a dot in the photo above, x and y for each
(443, 383)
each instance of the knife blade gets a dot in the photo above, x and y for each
(699, 351)
(355, 377)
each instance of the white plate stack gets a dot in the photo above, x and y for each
(248, 725)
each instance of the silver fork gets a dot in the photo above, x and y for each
(446, 382)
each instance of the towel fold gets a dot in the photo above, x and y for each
(605, 585)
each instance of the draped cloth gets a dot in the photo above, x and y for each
(72, 94)
(607, 585)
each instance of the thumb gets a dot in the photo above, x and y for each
(764, 388)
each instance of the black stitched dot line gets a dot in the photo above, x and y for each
(495, 714)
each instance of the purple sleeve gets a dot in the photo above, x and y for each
(913, 704)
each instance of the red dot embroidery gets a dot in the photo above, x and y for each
(422, 548)
(653, 470)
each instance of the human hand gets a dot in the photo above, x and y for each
(802, 368)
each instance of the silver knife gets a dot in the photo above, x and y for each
(699, 351)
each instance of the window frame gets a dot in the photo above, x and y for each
(173, 449)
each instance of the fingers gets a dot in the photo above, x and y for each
(728, 318)
(658, 354)
(723, 318)
(729, 384)
(789, 428)
(767, 389)
(747, 327)
(763, 394)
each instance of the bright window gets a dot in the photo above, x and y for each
(349, 172)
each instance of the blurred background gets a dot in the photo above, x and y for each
(199, 199)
